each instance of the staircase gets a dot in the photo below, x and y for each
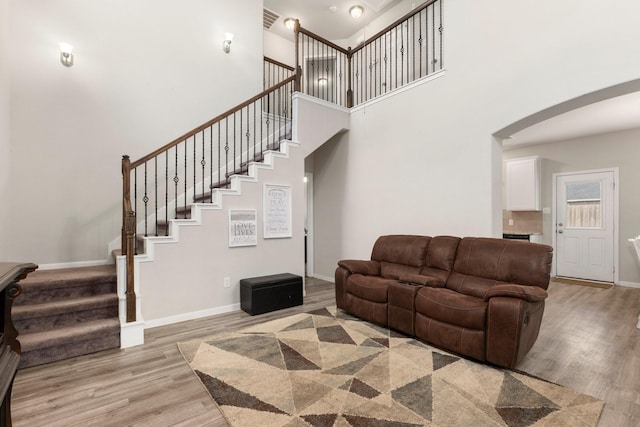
(66, 313)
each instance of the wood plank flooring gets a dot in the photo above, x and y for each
(588, 341)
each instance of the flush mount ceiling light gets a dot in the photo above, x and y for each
(356, 11)
(66, 54)
(322, 80)
(290, 23)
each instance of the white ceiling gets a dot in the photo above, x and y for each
(316, 16)
(611, 115)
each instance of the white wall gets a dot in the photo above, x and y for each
(618, 149)
(145, 72)
(279, 48)
(5, 116)
(186, 278)
(424, 160)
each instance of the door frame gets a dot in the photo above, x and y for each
(309, 223)
(616, 216)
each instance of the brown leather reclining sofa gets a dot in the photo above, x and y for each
(479, 297)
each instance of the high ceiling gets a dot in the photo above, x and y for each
(331, 20)
(320, 17)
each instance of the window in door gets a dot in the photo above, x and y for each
(584, 205)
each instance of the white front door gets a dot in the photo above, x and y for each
(585, 212)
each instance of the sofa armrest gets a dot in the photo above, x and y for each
(419, 279)
(368, 268)
(523, 292)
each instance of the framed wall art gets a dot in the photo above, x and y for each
(243, 229)
(277, 211)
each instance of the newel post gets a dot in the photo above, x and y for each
(128, 236)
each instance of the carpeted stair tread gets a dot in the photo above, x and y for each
(69, 335)
(67, 283)
(54, 308)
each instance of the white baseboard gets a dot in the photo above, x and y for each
(190, 316)
(131, 334)
(629, 284)
(75, 264)
(325, 278)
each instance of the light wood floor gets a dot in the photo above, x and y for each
(588, 341)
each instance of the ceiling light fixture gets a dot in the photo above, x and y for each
(66, 54)
(290, 23)
(322, 81)
(226, 43)
(356, 11)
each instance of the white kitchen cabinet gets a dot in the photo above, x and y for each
(523, 184)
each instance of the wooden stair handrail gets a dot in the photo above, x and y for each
(278, 63)
(210, 123)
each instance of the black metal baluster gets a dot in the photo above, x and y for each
(441, 29)
(203, 162)
(241, 124)
(413, 47)
(166, 192)
(226, 149)
(211, 158)
(235, 150)
(186, 143)
(155, 183)
(176, 179)
(194, 169)
(145, 199)
(420, 40)
(135, 199)
(433, 39)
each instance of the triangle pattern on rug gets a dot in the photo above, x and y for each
(334, 334)
(294, 361)
(441, 360)
(265, 349)
(225, 394)
(417, 396)
(332, 370)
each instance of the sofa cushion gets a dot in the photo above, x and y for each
(483, 262)
(401, 249)
(370, 288)
(452, 307)
(441, 255)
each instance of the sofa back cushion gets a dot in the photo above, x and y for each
(483, 262)
(441, 254)
(400, 254)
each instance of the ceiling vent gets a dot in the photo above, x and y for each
(268, 18)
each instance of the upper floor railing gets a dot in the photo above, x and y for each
(405, 51)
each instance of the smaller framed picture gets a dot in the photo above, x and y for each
(277, 211)
(243, 229)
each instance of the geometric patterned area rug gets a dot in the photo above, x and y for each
(326, 368)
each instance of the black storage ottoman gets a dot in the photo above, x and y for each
(269, 293)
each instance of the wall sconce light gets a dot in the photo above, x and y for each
(66, 54)
(356, 11)
(290, 23)
(226, 44)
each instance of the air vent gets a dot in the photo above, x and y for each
(268, 18)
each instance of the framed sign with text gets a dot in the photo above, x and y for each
(243, 229)
(277, 211)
